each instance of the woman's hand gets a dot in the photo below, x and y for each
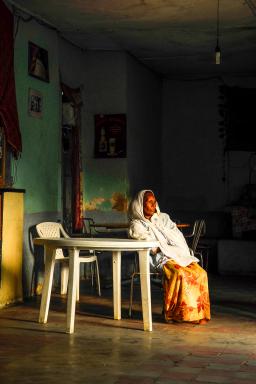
(154, 251)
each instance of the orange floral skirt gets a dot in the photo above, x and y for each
(186, 295)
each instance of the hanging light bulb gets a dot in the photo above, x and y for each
(217, 49)
(217, 54)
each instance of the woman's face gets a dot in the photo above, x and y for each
(149, 205)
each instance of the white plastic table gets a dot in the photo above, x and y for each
(116, 246)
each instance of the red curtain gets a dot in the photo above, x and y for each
(8, 105)
(74, 95)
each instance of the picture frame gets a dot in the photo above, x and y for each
(35, 103)
(38, 65)
(110, 136)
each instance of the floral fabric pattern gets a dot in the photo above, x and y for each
(186, 295)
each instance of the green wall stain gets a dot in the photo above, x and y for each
(105, 182)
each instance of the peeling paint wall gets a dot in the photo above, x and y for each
(106, 184)
(132, 89)
(118, 202)
(114, 82)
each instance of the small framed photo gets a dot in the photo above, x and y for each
(38, 62)
(35, 103)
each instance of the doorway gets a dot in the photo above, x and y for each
(72, 192)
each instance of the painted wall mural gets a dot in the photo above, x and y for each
(118, 202)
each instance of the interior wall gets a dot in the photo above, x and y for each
(114, 82)
(105, 180)
(191, 149)
(144, 92)
(71, 65)
(104, 90)
(192, 152)
(38, 169)
(237, 163)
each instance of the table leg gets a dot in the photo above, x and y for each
(145, 289)
(116, 260)
(72, 285)
(49, 254)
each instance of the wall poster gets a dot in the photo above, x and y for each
(35, 103)
(38, 62)
(110, 136)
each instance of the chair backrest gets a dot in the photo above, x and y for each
(88, 227)
(199, 230)
(52, 229)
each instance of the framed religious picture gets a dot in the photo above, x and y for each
(110, 136)
(35, 103)
(38, 62)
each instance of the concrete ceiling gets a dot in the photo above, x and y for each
(172, 37)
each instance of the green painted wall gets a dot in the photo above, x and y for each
(106, 184)
(38, 169)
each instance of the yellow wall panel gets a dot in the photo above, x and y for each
(12, 240)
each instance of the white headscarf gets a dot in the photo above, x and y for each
(171, 242)
(136, 206)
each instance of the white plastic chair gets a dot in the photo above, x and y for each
(156, 278)
(199, 230)
(52, 229)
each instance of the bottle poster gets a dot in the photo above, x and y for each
(110, 136)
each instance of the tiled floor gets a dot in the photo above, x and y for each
(119, 352)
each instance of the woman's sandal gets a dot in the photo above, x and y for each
(203, 321)
(200, 322)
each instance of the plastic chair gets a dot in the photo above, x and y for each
(52, 229)
(88, 226)
(157, 280)
(199, 230)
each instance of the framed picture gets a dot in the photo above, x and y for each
(110, 136)
(35, 103)
(38, 62)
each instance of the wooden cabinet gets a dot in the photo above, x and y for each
(11, 241)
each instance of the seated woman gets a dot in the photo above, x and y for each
(185, 283)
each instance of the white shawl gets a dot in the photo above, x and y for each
(171, 241)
